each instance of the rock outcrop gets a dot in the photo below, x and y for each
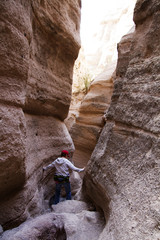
(122, 176)
(39, 44)
(70, 220)
(85, 131)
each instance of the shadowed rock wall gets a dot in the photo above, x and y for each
(39, 44)
(122, 176)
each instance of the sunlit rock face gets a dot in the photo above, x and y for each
(85, 131)
(122, 176)
(77, 98)
(39, 44)
(98, 55)
(115, 20)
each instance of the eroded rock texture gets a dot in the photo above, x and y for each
(85, 131)
(123, 174)
(39, 44)
(70, 220)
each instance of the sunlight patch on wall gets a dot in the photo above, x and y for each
(103, 23)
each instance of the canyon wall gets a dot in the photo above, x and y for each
(89, 122)
(39, 44)
(98, 55)
(122, 176)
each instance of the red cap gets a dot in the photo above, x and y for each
(65, 152)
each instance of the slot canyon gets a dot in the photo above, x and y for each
(112, 129)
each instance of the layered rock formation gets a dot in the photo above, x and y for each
(39, 44)
(77, 98)
(85, 131)
(122, 176)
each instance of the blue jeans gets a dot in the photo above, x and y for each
(67, 187)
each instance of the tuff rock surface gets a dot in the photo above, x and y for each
(89, 122)
(39, 44)
(69, 220)
(122, 176)
(101, 57)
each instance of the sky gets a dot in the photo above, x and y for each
(93, 11)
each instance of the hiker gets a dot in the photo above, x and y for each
(61, 177)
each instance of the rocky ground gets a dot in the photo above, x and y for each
(67, 220)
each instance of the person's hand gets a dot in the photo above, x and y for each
(82, 169)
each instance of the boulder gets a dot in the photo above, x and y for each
(70, 220)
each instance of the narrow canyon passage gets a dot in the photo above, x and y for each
(115, 133)
(103, 24)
